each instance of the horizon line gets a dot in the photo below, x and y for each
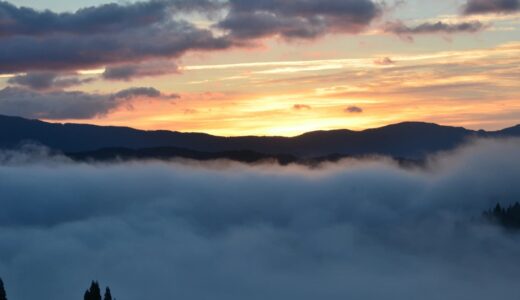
(238, 136)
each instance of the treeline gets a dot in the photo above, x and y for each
(507, 217)
(93, 293)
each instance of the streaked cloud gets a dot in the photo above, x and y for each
(320, 67)
(280, 64)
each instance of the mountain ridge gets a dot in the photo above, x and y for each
(409, 140)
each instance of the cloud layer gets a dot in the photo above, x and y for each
(357, 229)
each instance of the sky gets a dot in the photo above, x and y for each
(269, 67)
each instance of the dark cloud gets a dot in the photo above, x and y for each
(190, 111)
(302, 107)
(491, 6)
(68, 105)
(97, 36)
(47, 80)
(354, 110)
(128, 72)
(301, 19)
(148, 92)
(65, 52)
(401, 29)
(353, 230)
(109, 17)
(124, 37)
(93, 20)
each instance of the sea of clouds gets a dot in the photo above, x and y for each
(357, 229)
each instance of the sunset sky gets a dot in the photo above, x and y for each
(266, 67)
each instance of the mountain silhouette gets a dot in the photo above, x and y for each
(409, 140)
(512, 131)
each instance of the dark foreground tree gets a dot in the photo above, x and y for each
(108, 295)
(3, 295)
(94, 292)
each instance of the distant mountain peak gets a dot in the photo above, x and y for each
(417, 124)
(326, 132)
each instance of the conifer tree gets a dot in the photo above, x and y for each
(498, 210)
(94, 293)
(108, 295)
(3, 295)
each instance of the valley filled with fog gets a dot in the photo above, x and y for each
(356, 229)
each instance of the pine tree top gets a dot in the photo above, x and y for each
(3, 295)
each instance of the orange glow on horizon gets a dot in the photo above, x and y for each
(288, 98)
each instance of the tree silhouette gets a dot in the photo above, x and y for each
(108, 295)
(94, 293)
(498, 211)
(3, 295)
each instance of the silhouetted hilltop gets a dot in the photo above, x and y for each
(409, 140)
(514, 131)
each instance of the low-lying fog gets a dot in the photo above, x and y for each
(195, 231)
